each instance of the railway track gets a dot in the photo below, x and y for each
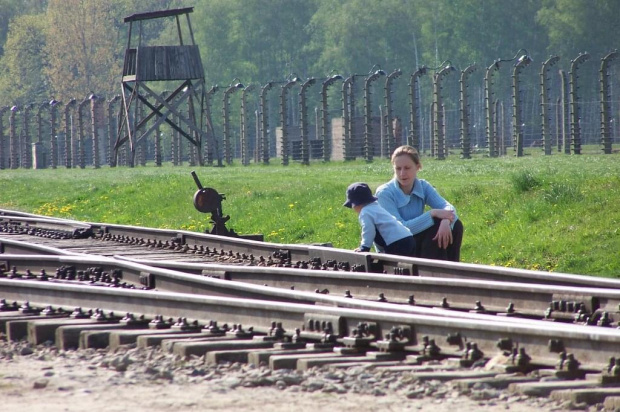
(295, 306)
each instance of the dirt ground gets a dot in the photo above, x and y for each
(75, 384)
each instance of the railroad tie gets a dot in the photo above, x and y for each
(290, 361)
(262, 357)
(40, 331)
(129, 337)
(186, 349)
(71, 336)
(15, 325)
(544, 389)
(499, 381)
(588, 396)
(155, 338)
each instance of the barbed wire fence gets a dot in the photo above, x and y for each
(81, 132)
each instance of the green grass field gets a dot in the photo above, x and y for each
(555, 213)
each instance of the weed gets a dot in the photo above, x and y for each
(525, 181)
(559, 193)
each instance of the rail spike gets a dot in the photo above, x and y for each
(361, 336)
(471, 356)
(396, 339)
(568, 367)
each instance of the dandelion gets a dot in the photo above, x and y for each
(67, 208)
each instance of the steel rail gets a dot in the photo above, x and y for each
(492, 296)
(138, 274)
(495, 296)
(41, 225)
(12, 246)
(222, 280)
(590, 346)
(134, 273)
(371, 262)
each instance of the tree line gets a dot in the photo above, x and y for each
(65, 48)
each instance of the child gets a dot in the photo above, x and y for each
(378, 225)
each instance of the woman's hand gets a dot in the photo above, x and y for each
(443, 214)
(444, 234)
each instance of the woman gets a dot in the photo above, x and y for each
(438, 232)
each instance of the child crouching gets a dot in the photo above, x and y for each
(378, 225)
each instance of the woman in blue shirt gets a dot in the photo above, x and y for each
(438, 232)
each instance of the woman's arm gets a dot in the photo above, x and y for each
(415, 224)
(444, 214)
(436, 201)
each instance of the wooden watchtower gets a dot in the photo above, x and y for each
(179, 65)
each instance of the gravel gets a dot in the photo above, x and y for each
(42, 378)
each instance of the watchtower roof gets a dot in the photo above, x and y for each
(158, 14)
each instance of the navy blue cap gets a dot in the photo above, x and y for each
(358, 194)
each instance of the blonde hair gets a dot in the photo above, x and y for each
(407, 150)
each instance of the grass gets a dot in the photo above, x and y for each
(553, 213)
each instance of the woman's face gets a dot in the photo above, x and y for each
(405, 170)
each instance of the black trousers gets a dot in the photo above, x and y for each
(402, 247)
(428, 248)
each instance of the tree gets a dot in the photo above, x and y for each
(480, 31)
(354, 35)
(255, 41)
(23, 78)
(576, 26)
(83, 50)
(12, 9)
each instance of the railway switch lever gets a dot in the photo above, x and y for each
(208, 200)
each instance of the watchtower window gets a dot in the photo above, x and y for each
(161, 62)
(158, 63)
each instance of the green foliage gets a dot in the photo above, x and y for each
(272, 49)
(560, 193)
(11, 9)
(566, 222)
(525, 181)
(266, 40)
(25, 56)
(580, 26)
(82, 48)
